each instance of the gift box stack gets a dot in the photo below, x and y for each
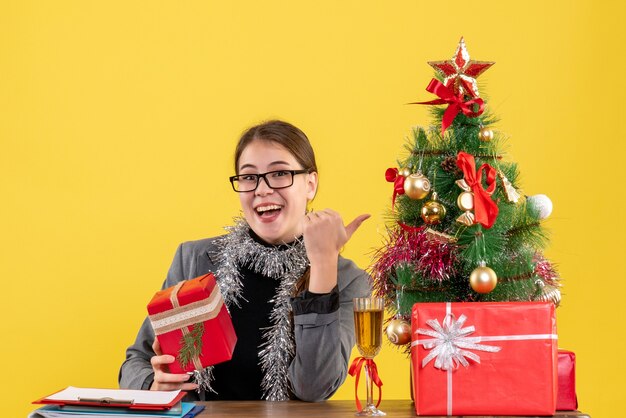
(464, 263)
(192, 324)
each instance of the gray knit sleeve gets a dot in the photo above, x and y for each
(136, 371)
(324, 341)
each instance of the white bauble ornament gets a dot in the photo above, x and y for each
(541, 203)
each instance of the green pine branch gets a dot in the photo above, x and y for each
(511, 247)
(191, 345)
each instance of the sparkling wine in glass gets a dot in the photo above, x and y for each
(368, 327)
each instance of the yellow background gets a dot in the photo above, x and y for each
(118, 121)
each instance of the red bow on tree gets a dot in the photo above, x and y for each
(485, 209)
(393, 176)
(455, 103)
(355, 370)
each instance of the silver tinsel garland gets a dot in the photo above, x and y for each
(238, 249)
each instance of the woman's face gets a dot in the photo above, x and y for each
(275, 215)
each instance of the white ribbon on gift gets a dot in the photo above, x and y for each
(181, 317)
(450, 343)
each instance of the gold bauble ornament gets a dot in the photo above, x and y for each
(483, 279)
(417, 186)
(433, 211)
(405, 172)
(485, 134)
(399, 331)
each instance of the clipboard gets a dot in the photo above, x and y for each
(114, 398)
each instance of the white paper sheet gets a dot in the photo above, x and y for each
(150, 397)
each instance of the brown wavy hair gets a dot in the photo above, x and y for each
(284, 134)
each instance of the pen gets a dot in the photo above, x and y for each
(194, 411)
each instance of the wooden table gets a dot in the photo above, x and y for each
(329, 409)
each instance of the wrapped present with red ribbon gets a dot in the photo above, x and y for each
(192, 324)
(485, 358)
(566, 398)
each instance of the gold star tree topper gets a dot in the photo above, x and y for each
(460, 72)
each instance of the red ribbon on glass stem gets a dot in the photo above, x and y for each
(393, 176)
(485, 209)
(455, 103)
(355, 370)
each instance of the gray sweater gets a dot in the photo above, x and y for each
(323, 341)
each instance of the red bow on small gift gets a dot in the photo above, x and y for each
(485, 209)
(393, 176)
(355, 370)
(455, 103)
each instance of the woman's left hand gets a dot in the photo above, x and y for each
(324, 235)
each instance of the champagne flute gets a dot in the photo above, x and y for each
(368, 327)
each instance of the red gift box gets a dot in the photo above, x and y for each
(487, 358)
(191, 318)
(566, 398)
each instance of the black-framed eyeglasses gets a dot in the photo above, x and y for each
(279, 179)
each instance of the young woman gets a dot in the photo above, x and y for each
(288, 290)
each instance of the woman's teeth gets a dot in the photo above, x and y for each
(263, 209)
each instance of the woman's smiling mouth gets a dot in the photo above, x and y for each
(268, 211)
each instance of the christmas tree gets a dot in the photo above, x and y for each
(459, 229)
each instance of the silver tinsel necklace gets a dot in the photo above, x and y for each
(237, 249)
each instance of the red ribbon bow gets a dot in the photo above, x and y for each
(355, 370)
(485, 209)
(393, 176)
(455, 103)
